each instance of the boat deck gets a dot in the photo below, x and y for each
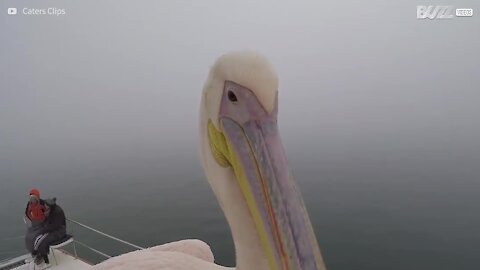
(65, 261)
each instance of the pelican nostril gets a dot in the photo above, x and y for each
(232, 97)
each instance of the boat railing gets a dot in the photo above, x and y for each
(101, 253)
(9, 262)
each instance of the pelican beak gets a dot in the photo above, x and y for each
(249, 142)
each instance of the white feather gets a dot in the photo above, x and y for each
(184, 254)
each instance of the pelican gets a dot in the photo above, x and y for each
(245, 164)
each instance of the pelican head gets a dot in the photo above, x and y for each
(245, 164)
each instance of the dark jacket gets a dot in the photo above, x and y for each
(55, 221)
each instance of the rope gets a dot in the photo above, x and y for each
(94, 250)
(106, 235)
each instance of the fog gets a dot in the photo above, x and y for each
(112, 89)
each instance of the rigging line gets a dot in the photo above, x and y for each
(92, 249)
(104, 234)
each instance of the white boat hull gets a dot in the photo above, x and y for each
(62, 261)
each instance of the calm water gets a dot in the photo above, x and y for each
(368, 213)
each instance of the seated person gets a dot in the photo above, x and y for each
(51, 230)
(34, 216)
(35, 210)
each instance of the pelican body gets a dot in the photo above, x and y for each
(245, 164)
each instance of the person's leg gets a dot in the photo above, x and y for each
(45, 259)
(30, 237)
(43, 246)
(38, 259)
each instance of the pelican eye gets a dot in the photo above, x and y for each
(232, 97)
